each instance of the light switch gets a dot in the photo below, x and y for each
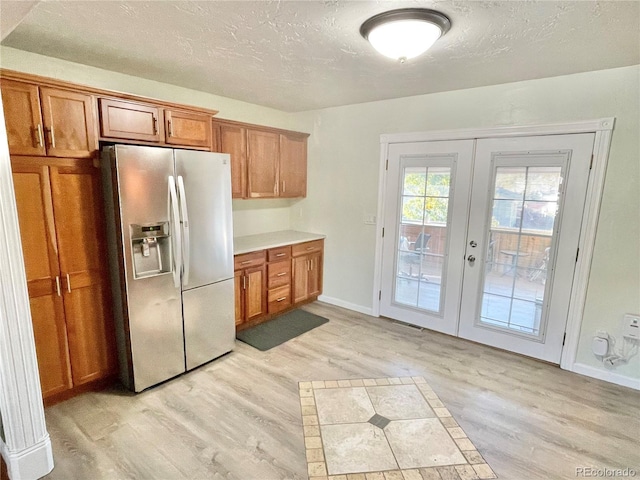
(369, 219)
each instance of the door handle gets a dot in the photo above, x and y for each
(184, 222)
(68, 284)
(58, 285)
(169, 128)
(471, 259)
(244, 282)
(155, 125)
(284, 186)
(174, 217)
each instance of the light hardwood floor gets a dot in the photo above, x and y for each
(239, 417)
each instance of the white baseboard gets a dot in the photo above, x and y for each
(348, 305)
(607, 376)
(30, 463)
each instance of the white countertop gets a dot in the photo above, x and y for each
(262, 241)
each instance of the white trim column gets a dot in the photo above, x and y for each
(26, 446)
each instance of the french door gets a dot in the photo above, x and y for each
(428, 187)
(501, 219)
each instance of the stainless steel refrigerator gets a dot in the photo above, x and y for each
(171, 256)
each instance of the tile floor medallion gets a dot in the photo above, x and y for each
(384, 429)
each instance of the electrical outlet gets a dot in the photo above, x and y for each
(631, 327)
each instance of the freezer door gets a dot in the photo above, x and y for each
(153, 303)
(208, 234)
(209, 322)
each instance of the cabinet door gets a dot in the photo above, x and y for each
(262, 163)
(83, 256)
(255, 304)
(35, 215)
(233, 140)
(238, 279)
(300, 278)
(315, 275)
(184, 128)
(21, 103)
(293, 166)
(130, 120)
(69, 123)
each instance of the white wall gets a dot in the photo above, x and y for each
(252, 216)
(343, 179)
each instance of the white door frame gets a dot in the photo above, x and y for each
(602, 128)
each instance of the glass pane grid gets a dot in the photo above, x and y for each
(422, 237)
(524, 206)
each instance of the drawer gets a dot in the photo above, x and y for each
(279, 274)
(307, 247)
(279, 299)
(280, 253)
(246, 260)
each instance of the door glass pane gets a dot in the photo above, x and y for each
(524, 208)
(422, 237)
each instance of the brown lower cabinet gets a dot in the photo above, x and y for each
(275, 280)
(250, 283)
(4, 474)
(61, 225)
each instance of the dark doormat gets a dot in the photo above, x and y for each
(279, 330)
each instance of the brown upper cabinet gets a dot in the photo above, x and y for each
(48, 121)
(127, 120)
(232, 139)
(132, 120)
(265, 162)
(185, 128)
(293, 165)
(263, 152)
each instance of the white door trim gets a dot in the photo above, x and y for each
(26, 447)
(602, 128)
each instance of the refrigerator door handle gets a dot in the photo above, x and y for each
(174, 220)
(184, 221)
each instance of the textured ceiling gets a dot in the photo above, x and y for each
(302, 55)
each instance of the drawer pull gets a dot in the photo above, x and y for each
(281, 299)
(245, 262)
(310, 248)
(281, 274)
(280, 254)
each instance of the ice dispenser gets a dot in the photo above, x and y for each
(151, 248)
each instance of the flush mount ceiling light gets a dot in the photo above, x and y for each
(405, 33)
